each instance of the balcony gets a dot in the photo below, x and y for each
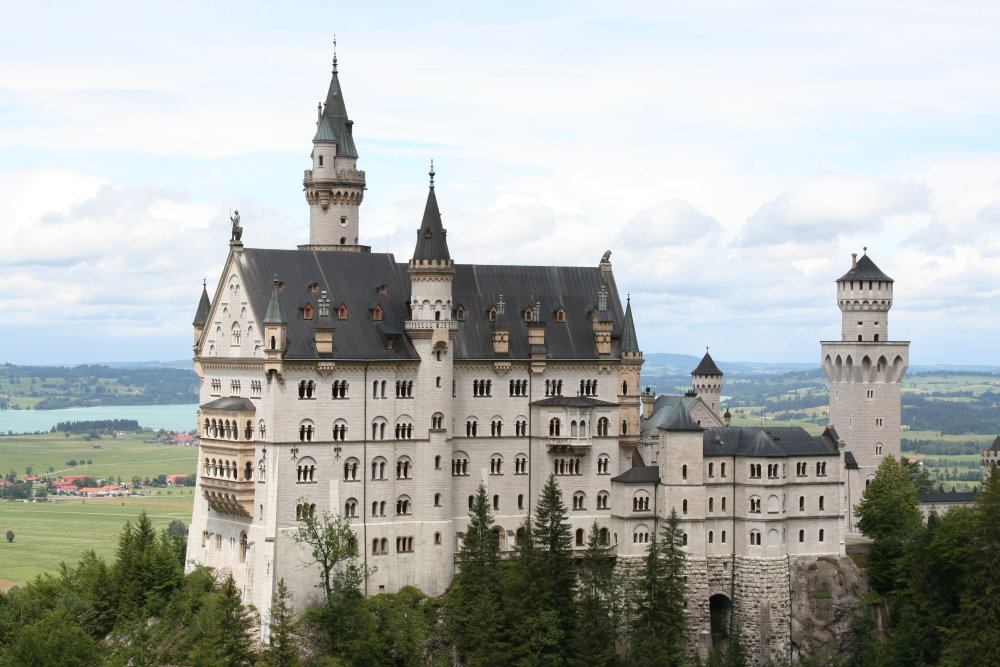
(228, 496)
(567, 445)
(430, 325)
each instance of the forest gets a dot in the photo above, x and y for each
(539, 607)
(57, 387)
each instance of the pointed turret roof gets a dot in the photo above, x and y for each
(201, 316)
(707, 366)
(864, 269)
(275, 313)
(432, 241)
(630, 344)
(334, 125)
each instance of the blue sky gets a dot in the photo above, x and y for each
(731, 155)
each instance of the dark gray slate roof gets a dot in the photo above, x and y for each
(772, 441)
(353, 278)
(938, 497)
(204, 307)
(639, 475)
(432, 239)
(573, 402)
(665, 409)
(995, 447)
(630, 344)
(707, 366)
(333, 124)
(229, 403)
(850, 462)
(865, 270)
(675, 418)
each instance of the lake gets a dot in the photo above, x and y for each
(170, 417)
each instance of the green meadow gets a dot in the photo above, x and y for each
(49, 533)
(125, 456)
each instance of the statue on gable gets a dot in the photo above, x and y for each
(237, 230)
(607, 257)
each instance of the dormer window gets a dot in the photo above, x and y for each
(561, 314)
(382, 289)
(527, 314)
(342, 312)
(307, 312)
(281, 285)
(427, 232)
(314, 288)
(492, 313)
(377, 313)
(460, 314)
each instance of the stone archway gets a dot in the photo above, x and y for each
(720, 609)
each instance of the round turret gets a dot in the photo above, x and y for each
(864, 295)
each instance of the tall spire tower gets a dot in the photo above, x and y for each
(865, 370)
(334, 186)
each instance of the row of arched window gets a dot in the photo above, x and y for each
(226, 469)
(228, 429)
(641, 535)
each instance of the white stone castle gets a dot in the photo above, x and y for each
(335, 379)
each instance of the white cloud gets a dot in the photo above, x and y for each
(827, 206)
(675, 222)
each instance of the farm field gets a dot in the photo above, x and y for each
(49, 533)
(125, 456)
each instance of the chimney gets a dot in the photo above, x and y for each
(854, 260)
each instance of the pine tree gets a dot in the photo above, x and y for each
(594, 633)
(281, 650)
(659, 589)
(227, 630)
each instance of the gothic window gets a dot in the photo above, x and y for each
(377, 313)
(305, 470)
(306, 430)
(554, 426)
(603, 500)
(307, 312)
(754, 505)
(351, 470)
(460, 464)
(378, 468)
(521, 465)
(471, 427)
(603, 464)
(496, 464)
(579, 499)
(403, 466)
(340, 430)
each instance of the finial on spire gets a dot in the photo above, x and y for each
(431, 172)
(204, 282)
(865, 249)
(274, 277)
(335, 53)
(628, 297)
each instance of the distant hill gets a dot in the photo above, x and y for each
(55, 387)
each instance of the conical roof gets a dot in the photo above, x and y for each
(201, 316)
(432, 242)
(865, 269)
(275, 313)
(334, 125)
(706, 366)
(630, 344)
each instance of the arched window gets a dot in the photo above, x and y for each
(821, 534)
(403, 467)
(437, 500)
(603, 464)
(378, 468)
(722, 468)
(711, 504)
(711, 470)
(579, 537)
(684, 506)
(579, 500)
(754, 505)
(711, 536)
(306, 430)
(460, 464)
(640, 501)
(351, 507)
(640, 535)
(471, 427)
(821, 504)
(437, 421)
(340, 430)
(243, 546)
(802, 536)
(603, 500)
(554, 426)
(351, 470)
(802, 503)
(521, 464)
(684, 472)
(305, 470)
(755, 538)
(378, 428)
(403, 505)
(496, 464)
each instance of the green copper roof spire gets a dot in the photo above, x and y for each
(630, 344)
(333, 124)
(275, 313)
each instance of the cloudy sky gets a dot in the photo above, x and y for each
(730, 154)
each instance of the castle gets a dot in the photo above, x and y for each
(336, 379)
